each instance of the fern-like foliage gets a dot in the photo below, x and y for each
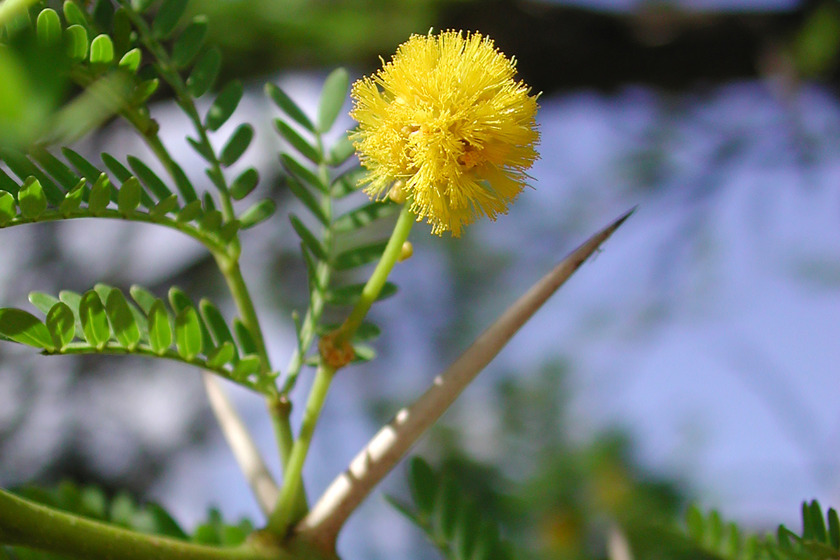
(319, 177)
(104, 321)
(449, 518)
(820, 538)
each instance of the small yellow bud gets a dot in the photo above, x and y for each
(406, 251)
(397, 192)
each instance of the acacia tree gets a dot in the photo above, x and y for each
(446, 135)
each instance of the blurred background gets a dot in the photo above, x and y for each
(695, 359)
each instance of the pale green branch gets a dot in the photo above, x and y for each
(244, 449)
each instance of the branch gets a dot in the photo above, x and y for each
(321, 526)
(26, 523)
(244, 449)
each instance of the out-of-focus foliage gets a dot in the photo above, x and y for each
(817, 43)
(554, 497)
(275, 34)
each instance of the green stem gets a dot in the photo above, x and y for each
(26, 523)
(239, 291)
(377, 280)
(283, 515)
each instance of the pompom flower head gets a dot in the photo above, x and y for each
(445, 125)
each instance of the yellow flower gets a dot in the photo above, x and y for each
(445, 121)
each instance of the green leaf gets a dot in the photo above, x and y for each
(359, 256)
(74, 14)
(123, 322)
(243, 185)
(128, 197)
(8, 208)
(31, 199)
(285, 103)
(100, 196)
(244, 337)
(221, 355)
(120, 171)
(180, 301)
(61, 324)
(141, 6)
(236, 146)
(211, 221)
(101, 50)
(160, 328)
(215, 322)
(341, 151)
(302, 173)
(131, 60)
(364, 215)
(367, 331)
(48, 27)
(24, 168)
(423, 483)
(183, 183)
(257, 213)
(246, 366)
(224, 105)
(363, 353)
(103, 14)
(94, 320)
(446, 508)
(202, 149)
(167, 18)
(122, 30)
(85, 168)
(204, 72)
(144, 91)
(297, 141)
(55, 167)
(188, 333)
(309, 239)
(333, 95)
(229, 230)
(25, 328)
(73, 199)
(164, 207)
(190, 212)
(348, 182)
(42, 302)
(76, 41)
(8, 184)
(308, 199)
(188, 45)
(148, 178)
(144, 298)
(833, 528)
(467, 526)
